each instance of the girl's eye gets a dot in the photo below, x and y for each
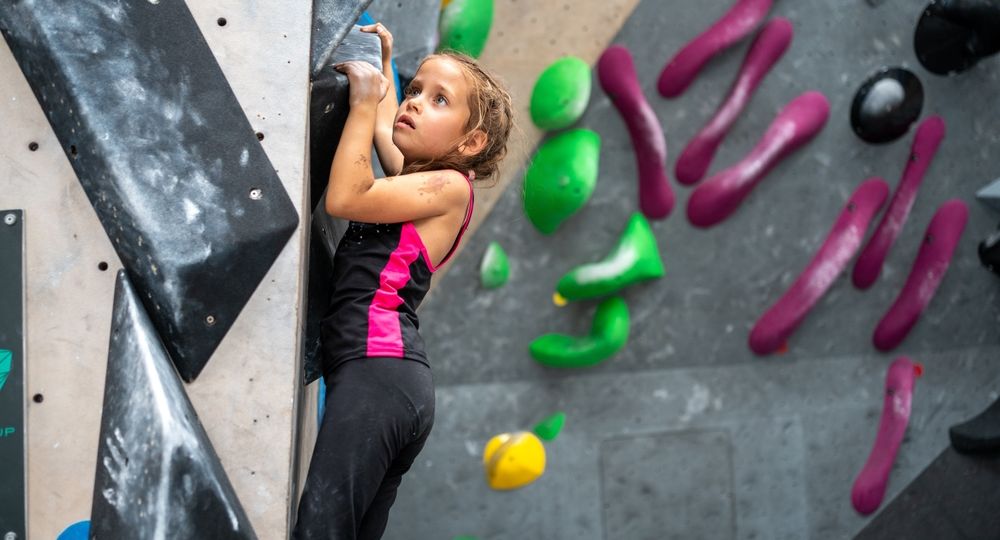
(410, 91)
(441, 100)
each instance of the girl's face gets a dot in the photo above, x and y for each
(434, 112)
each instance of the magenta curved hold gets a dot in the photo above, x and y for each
(719, 196)
(925, 144)
(739, 21)
(616, 73)
(768, 47)
(777, 324)
(869, 486)
(943, 233)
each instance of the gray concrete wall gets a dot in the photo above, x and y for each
(779, 439)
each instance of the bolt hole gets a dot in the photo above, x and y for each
(210, 320)
(102, 266)
(221, 21)
(72, 150)
(32, 146)
(260, 136)
(38, 398)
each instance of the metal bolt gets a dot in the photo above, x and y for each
(256, 194)
(210, 320)
(10, 219)
(11, 535)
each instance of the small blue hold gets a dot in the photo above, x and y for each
(77, 531)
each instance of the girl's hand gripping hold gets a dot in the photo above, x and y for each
(367, 85)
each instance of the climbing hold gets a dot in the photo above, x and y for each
(767, 48)
(886, 104)
(772, 330)
(77, 531)
(495, 269)
(933, 258)
(561, 178)
(636, 258)
(549, 428)
(954, 35)
(465, 25)
(796, 124)
(740, 20)
(561, 93)
(925, 145)
(513, 460)
(619, 80)
(869, 487)
(608, 334)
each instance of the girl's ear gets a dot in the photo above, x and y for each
(474, 143)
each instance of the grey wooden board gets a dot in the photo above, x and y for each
(692, 326)
(799, 432)
(677, 482)
(14, 495)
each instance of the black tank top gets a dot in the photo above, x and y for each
(381, 272)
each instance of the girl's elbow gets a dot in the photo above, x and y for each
(334, 207)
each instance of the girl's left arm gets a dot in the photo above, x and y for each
(388, 155)
(352, 191)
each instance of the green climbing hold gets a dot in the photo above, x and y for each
(561, 178)
(549, 428)
(608, 334)
(465, 25)
(635, 258)
(495, 269)
(561, 93)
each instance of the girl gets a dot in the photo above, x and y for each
(451, 129)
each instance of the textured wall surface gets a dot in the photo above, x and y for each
(790, 432)
(246, 395)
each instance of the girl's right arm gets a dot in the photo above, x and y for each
(352, 192)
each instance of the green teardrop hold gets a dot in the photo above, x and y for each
(561, 178)
(561, 93)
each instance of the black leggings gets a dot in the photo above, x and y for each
(379, 412)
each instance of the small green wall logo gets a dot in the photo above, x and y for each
(5, 357)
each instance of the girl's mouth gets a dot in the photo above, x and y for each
(405, 121)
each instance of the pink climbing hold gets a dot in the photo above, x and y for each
(943, 234)
(719, 196)
(616, 73)
(777, 324)
(739, 21)
(869, 487)
(925, 145)
(768, 47)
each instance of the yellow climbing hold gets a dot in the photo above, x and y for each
(559, 299)
(513, 460)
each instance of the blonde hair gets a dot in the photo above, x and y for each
(490, 110)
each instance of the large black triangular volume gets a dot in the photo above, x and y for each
(157, 473)
(165, 154)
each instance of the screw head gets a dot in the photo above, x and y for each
(210, 320)
(11, 535)
(256, 194)
(10, 219)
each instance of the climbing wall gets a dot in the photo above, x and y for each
(246, 397)
(685, 432)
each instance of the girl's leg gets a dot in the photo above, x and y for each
(370, 419)
(419, 388)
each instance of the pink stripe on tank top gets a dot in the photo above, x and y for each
(384, 335)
